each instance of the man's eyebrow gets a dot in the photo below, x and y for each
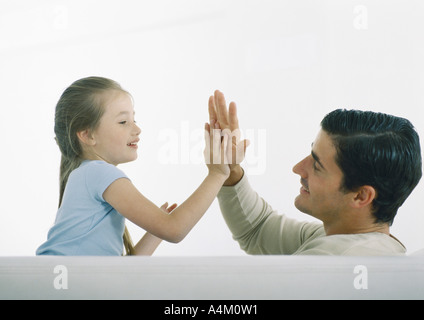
(316, 158)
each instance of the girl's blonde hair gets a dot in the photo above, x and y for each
(80, 108)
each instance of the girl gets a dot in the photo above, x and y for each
(95, 130)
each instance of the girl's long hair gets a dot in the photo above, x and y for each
(80, 108)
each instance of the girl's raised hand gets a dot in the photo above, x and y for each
(228, 122)
(215, 152)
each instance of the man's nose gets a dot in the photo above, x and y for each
(299, 168)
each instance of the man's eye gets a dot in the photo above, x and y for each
(314, 165)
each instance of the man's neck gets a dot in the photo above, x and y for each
(349, 229)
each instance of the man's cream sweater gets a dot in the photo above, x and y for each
(261, 230)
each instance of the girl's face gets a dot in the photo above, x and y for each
(115, 139)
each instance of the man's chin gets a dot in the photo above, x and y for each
(301, 206)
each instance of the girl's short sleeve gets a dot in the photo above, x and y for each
(99, 177)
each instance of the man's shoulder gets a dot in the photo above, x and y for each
(363, 244)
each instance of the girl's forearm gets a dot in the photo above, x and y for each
(187, 214)
(191, 210)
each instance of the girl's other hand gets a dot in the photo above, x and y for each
(167, 209)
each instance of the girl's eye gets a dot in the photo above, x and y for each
(123, 122)
(314, 165)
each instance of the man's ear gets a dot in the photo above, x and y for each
(364, 196)
(86, 137)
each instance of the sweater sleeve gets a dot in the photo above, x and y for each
(257, 227)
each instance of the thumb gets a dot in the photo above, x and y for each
(241, 151)
(246, 143)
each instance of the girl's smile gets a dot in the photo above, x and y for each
(134, 144)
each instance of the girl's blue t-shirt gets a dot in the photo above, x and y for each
(85, 223)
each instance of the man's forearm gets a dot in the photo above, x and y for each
(245, 214)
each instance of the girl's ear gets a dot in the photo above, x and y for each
(86, 137)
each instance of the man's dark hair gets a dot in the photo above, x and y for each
(379, 150)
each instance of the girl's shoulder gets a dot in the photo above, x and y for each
(96, 175)
(98, 165)
(100, 168)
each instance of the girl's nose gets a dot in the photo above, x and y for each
(137, 129)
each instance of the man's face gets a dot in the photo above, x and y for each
(321, 178)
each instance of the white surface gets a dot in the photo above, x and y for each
(225, 278)
(286, 64)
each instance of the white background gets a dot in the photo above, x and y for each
(285, 63)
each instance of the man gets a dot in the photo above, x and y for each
(362, 167)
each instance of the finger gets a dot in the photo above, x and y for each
(228, 145)
(207, 152)
(235, 136)
(212, 110)
(244, 144)
(232, 115)
(216, 144)
(224, 158)
(221, 109)
(171, 208)
(241, 151)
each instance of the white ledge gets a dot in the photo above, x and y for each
(212, 278)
